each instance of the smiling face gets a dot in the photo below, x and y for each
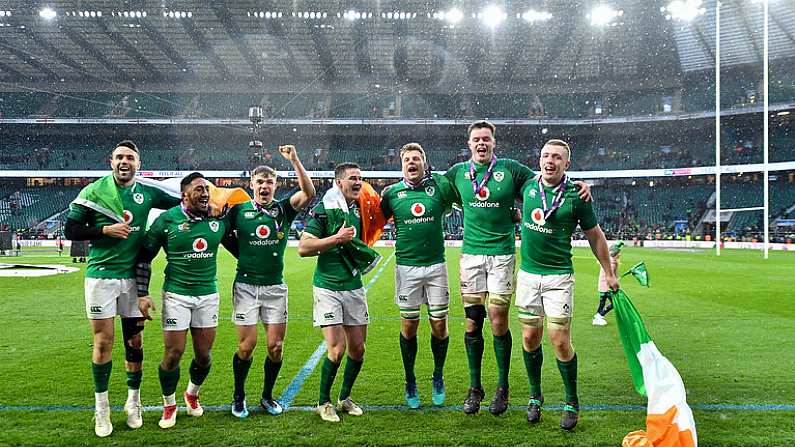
(264, 188)
(125, 163)
(350, 183)
(196, 196)
(413, 165)
(481, 144)
(553, 162)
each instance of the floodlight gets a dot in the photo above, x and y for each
(493, 16)
(47, 13)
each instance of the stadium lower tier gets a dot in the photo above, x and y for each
(626, 208)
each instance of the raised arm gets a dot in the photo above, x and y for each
(302, 198)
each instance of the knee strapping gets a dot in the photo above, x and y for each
(559, 323)
(477, 314)
(532, 321)
(412, 313)
(473, 299)
(130, 328)
(499, 301)
(437, 312)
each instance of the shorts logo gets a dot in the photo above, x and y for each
(499, 176)
(533, 193)
(171, 321)
(430, 190)
(214, 226)
(483, 194)
(128, 217)
(249, 214)
(263, 231)
(401, 195)
(240, 317)
(566, 308)
(418, 209)
(95, 309)
(138, 198)
(403, 298)
(328, 316)
(538, 217)
(199, 245)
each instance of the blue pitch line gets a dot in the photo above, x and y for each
(295, 385)
(292, 390)
(403, 408)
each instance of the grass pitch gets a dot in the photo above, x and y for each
(726, 324)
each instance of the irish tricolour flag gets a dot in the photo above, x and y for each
(669, 420)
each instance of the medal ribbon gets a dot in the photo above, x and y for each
(192, 216)
(263, 210)
(556, 201)
(476, 187)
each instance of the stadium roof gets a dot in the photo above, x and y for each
(351, 45)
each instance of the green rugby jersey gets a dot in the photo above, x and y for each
(331, 272)
(419, 214)
(191, 248)
(488, 221)
(546, 244)
(261, 240)
(113, 258)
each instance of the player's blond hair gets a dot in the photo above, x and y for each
(412, 147)
(265, 171)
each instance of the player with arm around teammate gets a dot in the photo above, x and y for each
(110, 274)
(418, 204)
(551, 211)
(190, 238)
(488, 187)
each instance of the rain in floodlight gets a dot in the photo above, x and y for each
(454, 15)
(493, 16)
(685, 10)
(47, 13)
(603, 15)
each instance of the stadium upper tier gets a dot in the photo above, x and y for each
(381, 104)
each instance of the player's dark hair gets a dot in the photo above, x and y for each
(482, 124)
(339, 171)
(188, 179)
(129, 145)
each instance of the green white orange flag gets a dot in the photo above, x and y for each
(639, 272)
(102, 195)
(669, 420)
(356, 254)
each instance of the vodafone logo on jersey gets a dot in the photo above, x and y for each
(483, 194)
(537, 215)
(418, 209)
(263, 231)
(199, 245)
(128, 217)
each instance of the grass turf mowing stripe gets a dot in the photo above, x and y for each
(403, 408)
(292, 390)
